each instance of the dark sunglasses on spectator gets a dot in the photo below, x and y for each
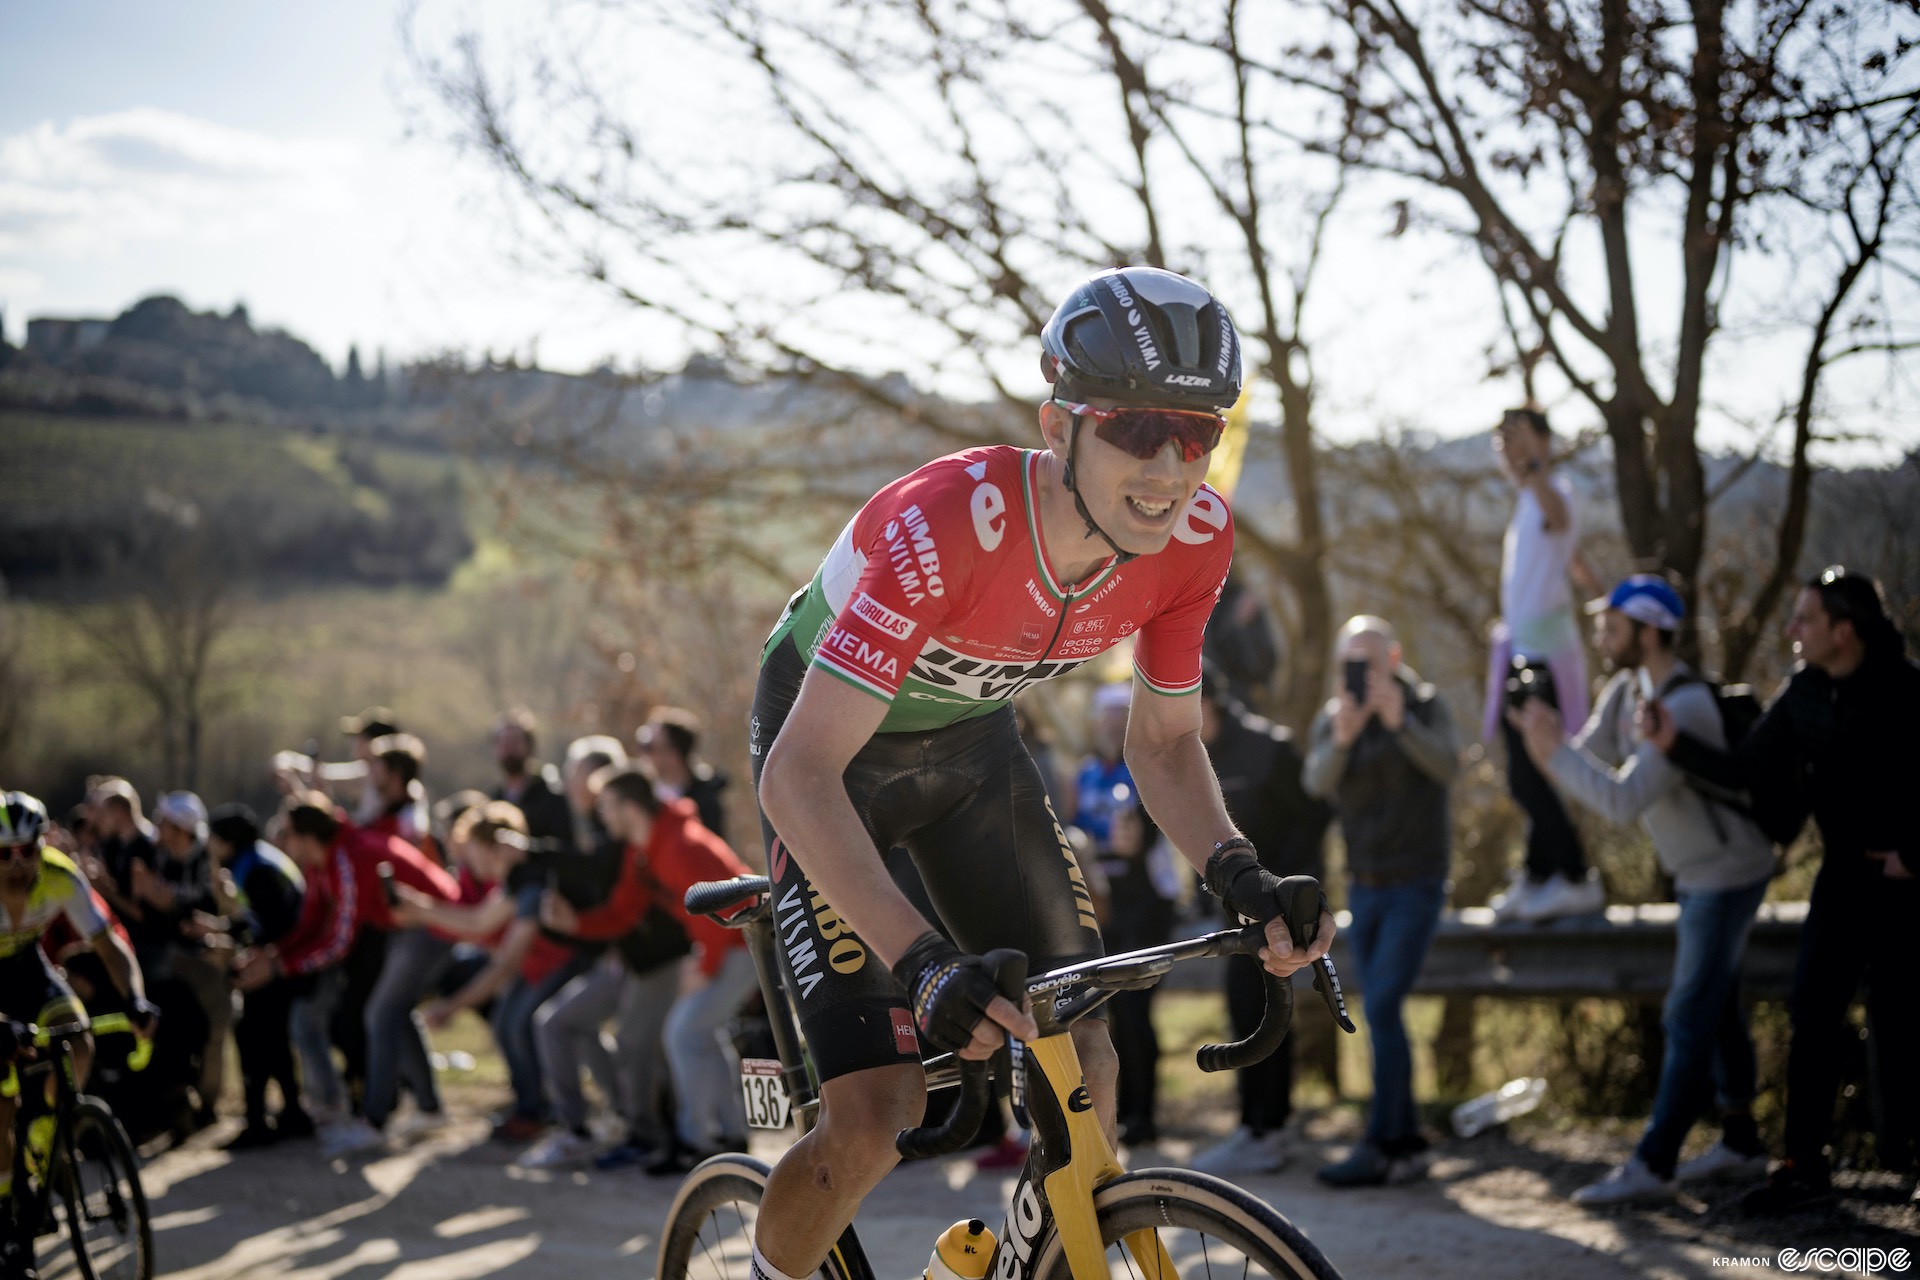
(1144, 432)
(8, 851)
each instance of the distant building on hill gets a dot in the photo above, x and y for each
(57, 339)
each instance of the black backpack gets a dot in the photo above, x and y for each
(1778, 811)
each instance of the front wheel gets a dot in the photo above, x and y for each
(106, 1206)
(709, 1229)
(1201, 1226)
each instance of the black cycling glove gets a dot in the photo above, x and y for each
(1236, 877)
(948, 989)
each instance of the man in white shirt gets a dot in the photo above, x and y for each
(1538, 631)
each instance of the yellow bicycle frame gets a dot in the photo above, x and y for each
(1091, 1164)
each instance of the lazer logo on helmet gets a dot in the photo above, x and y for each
(1188, 380)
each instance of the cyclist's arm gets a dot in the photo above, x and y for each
(121, 967)
(804, 793)
(1176, 780)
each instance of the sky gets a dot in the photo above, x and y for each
(232, 151)
(229, 151)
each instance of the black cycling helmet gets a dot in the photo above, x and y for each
(1145, 336)
(23, 819)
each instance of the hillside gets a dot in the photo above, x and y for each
(84, 493)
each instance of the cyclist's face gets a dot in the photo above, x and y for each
(1139, 502)
(21, 866)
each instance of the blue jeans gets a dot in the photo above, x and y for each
(513, 1032)
(1392, 927)
(1708, 1048)
(307, 1020)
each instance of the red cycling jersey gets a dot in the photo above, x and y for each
(938, 597)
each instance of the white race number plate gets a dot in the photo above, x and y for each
(763, 1081)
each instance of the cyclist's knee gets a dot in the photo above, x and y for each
(853, 1145)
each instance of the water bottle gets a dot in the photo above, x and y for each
(1514, 1098)
(962, 1252)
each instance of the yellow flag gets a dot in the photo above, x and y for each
(1223, 472)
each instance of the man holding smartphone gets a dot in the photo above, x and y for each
(1383, 753)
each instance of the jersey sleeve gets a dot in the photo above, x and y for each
(1167, 655)
(916, 538)
(77, 903)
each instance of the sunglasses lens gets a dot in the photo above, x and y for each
(1144, 432)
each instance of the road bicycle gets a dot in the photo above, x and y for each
(70, 1151)
(1075, 1213)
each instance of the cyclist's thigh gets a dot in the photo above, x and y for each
(853, 1014)
(997, 864)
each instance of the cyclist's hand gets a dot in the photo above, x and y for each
(145, 1017)
(1299, 925)
(954, 1001)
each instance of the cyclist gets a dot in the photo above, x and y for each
(883, 717)
(38, 885)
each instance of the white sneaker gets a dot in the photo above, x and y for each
(349, 1137)
(1506, 903)
(1721, 1163)
(558, 1150)
(1559, 896)
(1242, 1152)
(418, 1124)
(1630, 1183)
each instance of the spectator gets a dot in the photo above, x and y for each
(120, 836)
(1720, 861)
(394, 767)
(1537, 626)
(1142, 884)
(524, 968)
(674, 852)
(179, 884)
(1260, 779)
(635, 984)
(586, 757)
(1840, 735)
(262, 907)
(350, 780)
(667, 742)
(1239, 642)
(355, 904)
(531, 789)
(1385, 760)
(1106, 768)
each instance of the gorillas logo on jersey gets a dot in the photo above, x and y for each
(897, 625)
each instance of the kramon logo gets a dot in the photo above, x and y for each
(983, 681)
(897, 625)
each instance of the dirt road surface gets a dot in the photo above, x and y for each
(454, 1207)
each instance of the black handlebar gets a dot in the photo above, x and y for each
(1008, 970)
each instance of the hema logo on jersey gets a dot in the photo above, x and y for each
(856, 654)
(897, 625)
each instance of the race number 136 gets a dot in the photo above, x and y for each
(763, 1082)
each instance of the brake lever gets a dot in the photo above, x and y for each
(1327, 982)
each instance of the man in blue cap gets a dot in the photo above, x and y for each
(1720, 862)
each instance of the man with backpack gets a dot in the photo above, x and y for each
(1720, 861)
(1839, 739)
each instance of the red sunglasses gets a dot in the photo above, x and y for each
(1144, 432)
(7, 851)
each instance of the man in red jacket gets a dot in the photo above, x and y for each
(345, 893)
(668, 852)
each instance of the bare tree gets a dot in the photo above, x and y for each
(895, 187)
(1760, 145)
(163, 611)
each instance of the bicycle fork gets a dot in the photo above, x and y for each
(1071, 1159)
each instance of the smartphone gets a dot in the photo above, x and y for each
(1356, 677)
(385, 870)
